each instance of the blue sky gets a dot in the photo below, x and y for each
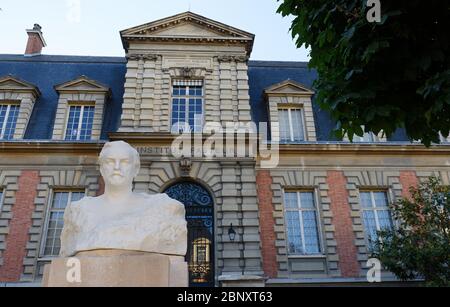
(91, 27)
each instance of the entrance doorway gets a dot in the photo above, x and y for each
(200, 219)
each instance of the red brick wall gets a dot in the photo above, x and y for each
(19, 227)
(342, 221)
(34, 44)
(408, 179)
(267, 223)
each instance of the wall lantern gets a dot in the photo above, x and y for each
(232, 233)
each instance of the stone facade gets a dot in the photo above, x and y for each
(248, 198)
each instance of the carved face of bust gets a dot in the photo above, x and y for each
(119, 164)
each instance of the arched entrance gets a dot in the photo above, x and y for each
(200, 218)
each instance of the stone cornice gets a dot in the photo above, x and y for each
(295, 89)
(40, 147)
(12, 84)
(233, 58)
(83, 84)
(143, 57)
(364, 149)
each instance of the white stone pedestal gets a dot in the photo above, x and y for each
(115, 268)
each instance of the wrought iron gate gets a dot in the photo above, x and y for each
(200, 218)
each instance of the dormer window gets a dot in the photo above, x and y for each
(80, 122)
(291, 125)
(291, 112)
(17, 98)
(80, 110)
(8, 120)
(187, 106)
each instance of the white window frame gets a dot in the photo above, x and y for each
(80, 121)
(375, 209)
(291, 124)
(8, 109)
(302, 230)
(42, 254)
(187, 98)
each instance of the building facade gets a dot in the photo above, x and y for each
(306, 218)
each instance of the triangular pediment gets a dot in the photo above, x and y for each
(10, 83)
(289, 87)
(82, 84)
(187, 26)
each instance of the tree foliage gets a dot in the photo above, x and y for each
(420, 247)
(383, 76)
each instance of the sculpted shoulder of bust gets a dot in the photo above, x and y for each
(121, 219)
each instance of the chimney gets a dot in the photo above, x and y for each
(35, 41)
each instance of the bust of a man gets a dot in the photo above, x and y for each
(121, 219)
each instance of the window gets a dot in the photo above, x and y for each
(301, 223)
(187, 106)
(56, 220)
(376, 214)
(80, 122)
(291, 125)
(8, 120)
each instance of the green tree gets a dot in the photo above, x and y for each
(383, 76)
(420, 246)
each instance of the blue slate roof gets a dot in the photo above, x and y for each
(46, 71)
(263, 74)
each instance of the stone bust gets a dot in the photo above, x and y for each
(122, 219)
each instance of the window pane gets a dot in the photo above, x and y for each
(11, 122)
(370, 227)
(8, 120)
(366, 199)
(381, 200)
(384, 219)
(87, 123)
(72, 123)
(76, 196)
(56, 221)
(187, 114)
(60, 200)
(307, 200)
(3, 109)
(295, 245)
(311, 232)
(291, 200)
(285, 129)
(297, 125)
